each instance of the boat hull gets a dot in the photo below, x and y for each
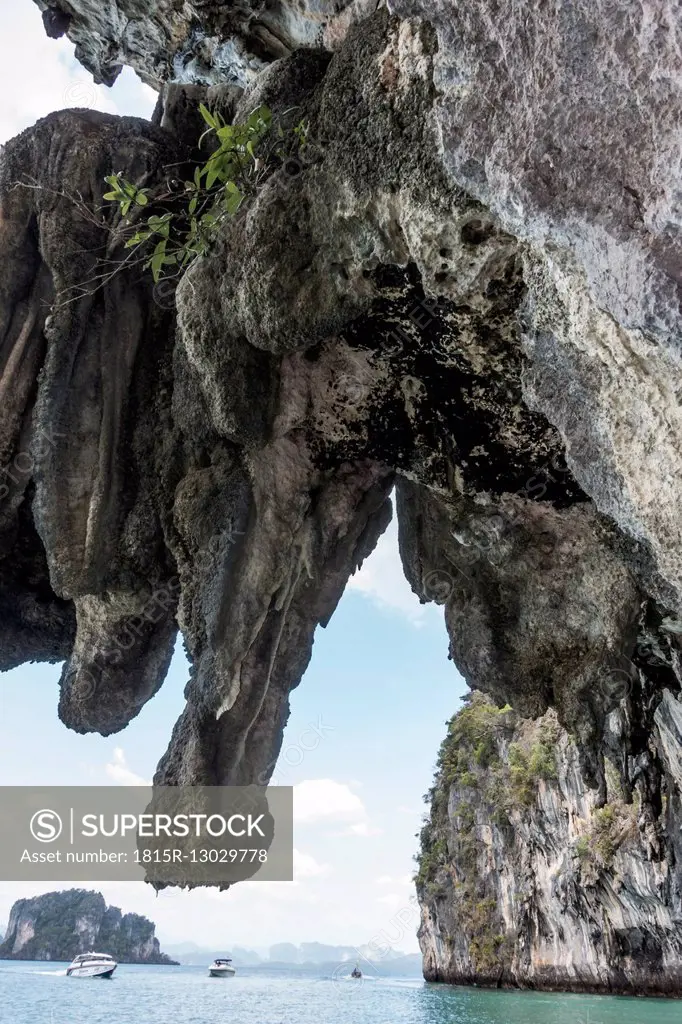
(221, 972)
(105, 971)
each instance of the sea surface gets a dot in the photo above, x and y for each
(39, 993)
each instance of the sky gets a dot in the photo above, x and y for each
(366, 721)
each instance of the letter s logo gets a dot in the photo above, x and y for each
(46, 826)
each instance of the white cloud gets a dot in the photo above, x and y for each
(305, 866)
(118, 771)
(382, 580)
(362, 828)
(392, 900)
(39, 75)
(326, 800)
(390, 880)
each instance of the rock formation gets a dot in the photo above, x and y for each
(60, 925)
(526, 879)
(468, 292)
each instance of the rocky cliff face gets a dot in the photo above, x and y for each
(526, 878)
(468, 291)
(59, 925)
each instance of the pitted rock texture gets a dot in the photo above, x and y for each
(202, 41)
(565, 122)
(526, 879)
(373, 317)
(565, 119)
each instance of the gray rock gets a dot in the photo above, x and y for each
(526, 879)
(468, 284)
(60, 925)
(207, 43)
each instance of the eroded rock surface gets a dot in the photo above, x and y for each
(204, 41)
(82, 544)
(526, 879)
(466, 288)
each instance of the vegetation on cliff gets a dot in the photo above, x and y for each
(482, 771)
(186, 217)
(529, 876)
(471, 764)
(59, 925)
(608, 828)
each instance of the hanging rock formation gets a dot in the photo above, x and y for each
(468, 291)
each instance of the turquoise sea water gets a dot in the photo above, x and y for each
(38, 993)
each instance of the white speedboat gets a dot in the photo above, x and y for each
(92, 965)
(221, 969)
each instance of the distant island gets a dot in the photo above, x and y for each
(59, 925)
(309, 958)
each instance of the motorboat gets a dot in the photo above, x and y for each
(92, 965)
(356, 972)
(221, 969)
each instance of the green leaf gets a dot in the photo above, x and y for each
(158, 259)
(208, 116)
(214, 171)
(139, 236)
(233, 203)
(160, 225)
(193, 205)
(111, 195)
(259, 118)
(141, 199)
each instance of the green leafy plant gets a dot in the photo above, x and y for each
(581, 848)
(125, 194)
(607, 832)
(471, 741)
(609, 828)
(185, 220)
(527, 767)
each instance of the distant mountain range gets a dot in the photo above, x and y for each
(190, 953)
(308, 956)
(407, 966)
